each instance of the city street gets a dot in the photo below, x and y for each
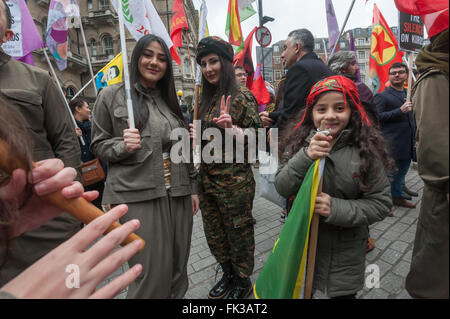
(394, 238)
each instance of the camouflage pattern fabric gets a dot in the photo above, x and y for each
(228, 226)
(228, 190)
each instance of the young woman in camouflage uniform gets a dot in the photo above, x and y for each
(227, 189)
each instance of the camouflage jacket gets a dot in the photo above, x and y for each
(223, 175)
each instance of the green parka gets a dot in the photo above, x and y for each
(342, 239)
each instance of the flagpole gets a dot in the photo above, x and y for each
(325, 49)
(410, 66)
(312, 249)
(62, 93)
(125, 68)
(343, 27)
(81, 90)
(87, 56)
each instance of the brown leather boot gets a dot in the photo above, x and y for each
(403, 203)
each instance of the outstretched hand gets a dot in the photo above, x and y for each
(75, 268)
(48, 176)
(224, 120)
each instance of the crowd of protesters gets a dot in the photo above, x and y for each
(320, 111)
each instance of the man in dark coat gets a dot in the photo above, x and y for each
(399, 129)
(305, 68)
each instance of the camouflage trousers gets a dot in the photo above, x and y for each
(228, 225)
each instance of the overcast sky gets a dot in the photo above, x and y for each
(294, 14)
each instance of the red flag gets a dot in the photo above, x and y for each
(383, 52)
(434, 13)
(244, 58)
(178, 23)
(259, 89)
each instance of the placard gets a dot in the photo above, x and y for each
(411, 32)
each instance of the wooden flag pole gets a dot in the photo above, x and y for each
(410, 67)
(312, 249)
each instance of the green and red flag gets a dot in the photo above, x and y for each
(233, 28)
(283, 275)
(383, 52)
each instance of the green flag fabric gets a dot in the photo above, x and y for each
(283, 275)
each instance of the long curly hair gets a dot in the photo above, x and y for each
(372, 146)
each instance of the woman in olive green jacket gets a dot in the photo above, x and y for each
(355, 190)
(159, 190)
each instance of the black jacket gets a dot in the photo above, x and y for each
(300, 78)
(399, 129)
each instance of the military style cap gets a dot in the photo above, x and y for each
(214, 45)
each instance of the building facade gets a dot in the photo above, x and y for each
(101, 30)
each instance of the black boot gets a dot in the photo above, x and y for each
(242, 288)
(221, 289)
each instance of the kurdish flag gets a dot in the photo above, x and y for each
(283, 275)
(245, 10)
(233, 28)
(383, 52)
(111, 73)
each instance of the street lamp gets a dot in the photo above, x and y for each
(266, 19)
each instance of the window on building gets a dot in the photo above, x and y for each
(107, 43)
(70, 92)
(277, 75)
(359, 42)
(103, 4)
(342, 45)
(276, 48)
(187, 67)
(363, 78)
(317, 46)
(276, 60)
(93, 47)
(89, 5)
(361, 54)
(362, 67)
(358, 31)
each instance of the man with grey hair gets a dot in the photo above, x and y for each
(344, 63)
(305, 68)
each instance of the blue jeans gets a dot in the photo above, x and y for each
(398, 180)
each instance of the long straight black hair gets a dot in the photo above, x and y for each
(166, 85)
(227, 86)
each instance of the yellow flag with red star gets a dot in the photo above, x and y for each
(383, 52)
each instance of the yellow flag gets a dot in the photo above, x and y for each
(111, 73)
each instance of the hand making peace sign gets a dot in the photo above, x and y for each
(224, 120)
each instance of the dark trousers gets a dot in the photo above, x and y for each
(398, 179)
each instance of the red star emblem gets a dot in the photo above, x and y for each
(382, 44)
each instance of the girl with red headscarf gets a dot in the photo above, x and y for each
(356, 191)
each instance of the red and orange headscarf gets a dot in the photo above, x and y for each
(341, 84)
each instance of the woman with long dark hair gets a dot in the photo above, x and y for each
(355, 192)
(227, 189)
(159, 192)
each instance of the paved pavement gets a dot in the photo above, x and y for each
(394, 239)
